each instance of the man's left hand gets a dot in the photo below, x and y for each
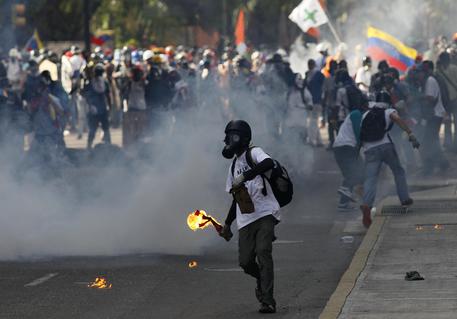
(238, 181)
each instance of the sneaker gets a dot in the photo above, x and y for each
(407, 202)
(366, 212)
(346, 192)
(266, 308)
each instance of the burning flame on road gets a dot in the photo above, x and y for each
(100, 283)
(199, 220)
(193, 264)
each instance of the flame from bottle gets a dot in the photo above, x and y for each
(100, 283)
(200, 220)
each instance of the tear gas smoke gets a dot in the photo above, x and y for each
(136, 207)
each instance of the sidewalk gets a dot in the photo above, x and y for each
(422, 238)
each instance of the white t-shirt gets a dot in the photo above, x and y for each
(385, 139)
(433, 89)
(363, 76)
(342, 102)
(346, 135)
(263, 205)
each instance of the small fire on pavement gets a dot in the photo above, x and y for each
(100, 283)
(193, 264)
(199, 220)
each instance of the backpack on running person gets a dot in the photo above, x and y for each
(356, 98)
(279, 180)
(373, 127)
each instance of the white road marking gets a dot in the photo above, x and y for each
(41, 280)
(282, 242)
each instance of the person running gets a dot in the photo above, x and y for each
(255, 209)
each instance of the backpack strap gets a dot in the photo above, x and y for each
(249, 157)
(251, 164)
(232, 168)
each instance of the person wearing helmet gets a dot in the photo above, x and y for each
(363, 75)
(378, 148)
(98, 98)
(255, 225)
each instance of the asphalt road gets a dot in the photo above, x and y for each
(309, 255)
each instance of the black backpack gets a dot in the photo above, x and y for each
(373, 126)
(279, 180)
(356, 98)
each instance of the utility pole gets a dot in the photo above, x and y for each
(225, 36)
(86, 20)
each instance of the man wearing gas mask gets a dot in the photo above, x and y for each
(254, 207)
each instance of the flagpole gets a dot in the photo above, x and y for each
(332, 28)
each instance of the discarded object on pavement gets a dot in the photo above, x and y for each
(413, 275)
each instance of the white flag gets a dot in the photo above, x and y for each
(308, 14)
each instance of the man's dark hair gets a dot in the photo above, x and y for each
(444, 58)
(428, 66)
(311, 64)
(383, 66)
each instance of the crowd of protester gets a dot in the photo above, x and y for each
(45, 96)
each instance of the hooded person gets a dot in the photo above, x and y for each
(378, 148)
(254, 207)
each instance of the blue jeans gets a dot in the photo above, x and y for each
(351, 167)
(374, 158)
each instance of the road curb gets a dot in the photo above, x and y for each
(347, 282)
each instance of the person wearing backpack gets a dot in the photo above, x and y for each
(378, 149)
(254, 207)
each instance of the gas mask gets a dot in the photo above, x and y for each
(232, 144)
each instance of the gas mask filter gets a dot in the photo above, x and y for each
(232, 144)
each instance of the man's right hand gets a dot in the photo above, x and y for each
(414, 142)
(226, 233)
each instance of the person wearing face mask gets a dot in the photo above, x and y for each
(255, 221)
(363, 75)
(98, 98)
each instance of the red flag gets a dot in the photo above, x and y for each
(239, 29)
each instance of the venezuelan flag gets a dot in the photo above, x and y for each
(383, 46)
(34, 43)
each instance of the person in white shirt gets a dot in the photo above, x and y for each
(363, 75)
(432, 154)
(13, 70)
(255, 221)
(379, 148)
